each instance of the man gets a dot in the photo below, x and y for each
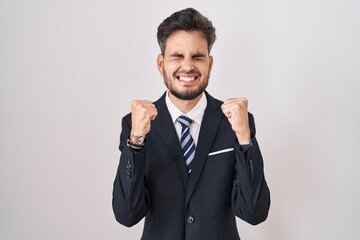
(189, 163)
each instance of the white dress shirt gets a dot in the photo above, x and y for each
(195, 114)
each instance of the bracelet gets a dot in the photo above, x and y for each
(135, 146)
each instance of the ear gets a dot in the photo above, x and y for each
(211, 60)
(160, 63)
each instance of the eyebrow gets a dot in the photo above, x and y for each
(177, 55)
(198, 55)
(195, 55)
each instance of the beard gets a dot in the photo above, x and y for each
(186, 94)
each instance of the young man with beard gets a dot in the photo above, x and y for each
(189, 163)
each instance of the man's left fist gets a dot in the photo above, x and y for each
(236, 111)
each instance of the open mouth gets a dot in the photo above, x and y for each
(188, 78)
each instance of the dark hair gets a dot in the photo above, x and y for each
(188, 19)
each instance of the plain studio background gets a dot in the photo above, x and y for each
(69, 70)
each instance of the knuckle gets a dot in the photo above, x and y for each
(143, 110)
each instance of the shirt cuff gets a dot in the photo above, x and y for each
(244, 147)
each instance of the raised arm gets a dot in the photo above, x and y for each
(129, 194)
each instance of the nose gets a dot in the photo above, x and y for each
(188, 64)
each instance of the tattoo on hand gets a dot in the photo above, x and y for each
(137, 139)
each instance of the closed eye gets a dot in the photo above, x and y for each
(176, 55)
(198, 56)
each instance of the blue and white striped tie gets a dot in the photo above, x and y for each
(186, 141)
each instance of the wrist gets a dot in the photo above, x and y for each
(137, 138)
(244, 137)
(135, 146)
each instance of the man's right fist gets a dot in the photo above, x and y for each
(142, 113)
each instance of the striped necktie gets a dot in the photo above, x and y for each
(186, 141)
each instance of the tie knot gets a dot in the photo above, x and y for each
(184, 120)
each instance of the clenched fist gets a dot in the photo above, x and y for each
(142, 113)
(236, 111)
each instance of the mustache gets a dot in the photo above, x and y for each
(192, 71)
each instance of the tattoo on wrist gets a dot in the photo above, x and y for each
(137, 139)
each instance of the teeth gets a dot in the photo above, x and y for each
(187, 79)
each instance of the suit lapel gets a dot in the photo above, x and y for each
(208, 130)
(165, 127)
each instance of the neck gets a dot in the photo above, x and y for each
(184, 105)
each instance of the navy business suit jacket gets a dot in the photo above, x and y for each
(154, 183)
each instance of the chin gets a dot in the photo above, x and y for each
(186, 95)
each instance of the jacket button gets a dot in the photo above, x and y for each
(128, 174)
(190, 219)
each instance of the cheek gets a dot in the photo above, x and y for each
(203, 67)
(205, 71)
(167, 75)
(170, 70)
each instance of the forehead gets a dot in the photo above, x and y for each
(186, 41)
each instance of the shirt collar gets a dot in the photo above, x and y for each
(195, 114)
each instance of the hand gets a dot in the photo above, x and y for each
(143, 112)
(236, 111)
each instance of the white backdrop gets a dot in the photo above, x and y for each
(69, 70)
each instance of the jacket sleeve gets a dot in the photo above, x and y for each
(250, 194)
(129, 192)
